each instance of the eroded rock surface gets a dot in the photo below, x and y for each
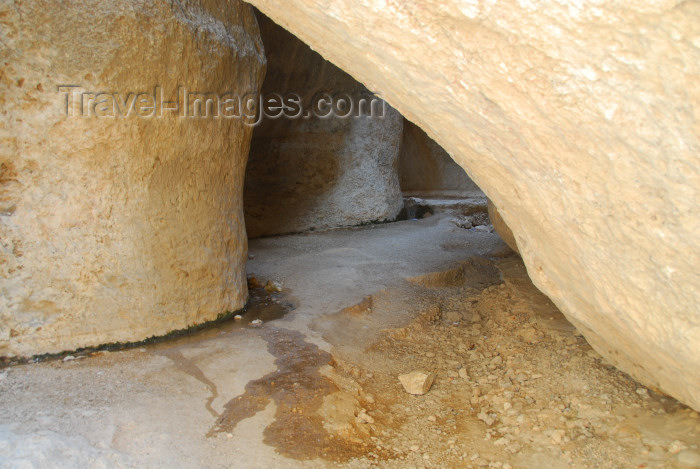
(580, 122)
(317, 173)
(117, 229)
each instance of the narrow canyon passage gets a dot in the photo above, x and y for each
(352, 234)
(515, 385)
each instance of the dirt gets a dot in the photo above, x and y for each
(517, 386)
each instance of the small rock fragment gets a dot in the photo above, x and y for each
(256, 323)
(363, 417)
(676, 447)
(689, 458)
(273, 287)
(486, 418)
(253, 282)
(557, 436)
(452, 316)
(417, 382)
(529, 334)
(238, 317)
(463, 222)
(68, 358)
(513, 447)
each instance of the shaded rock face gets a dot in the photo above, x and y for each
(117, 229)
(501, 228)
(318, 173)
(425, 167)
(581, 123)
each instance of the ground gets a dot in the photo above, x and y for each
(515, 385)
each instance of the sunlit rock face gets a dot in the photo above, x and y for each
(118, 227)
(324, 170)
(580, 120)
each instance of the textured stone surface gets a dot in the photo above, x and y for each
(425, 167)
(119, 229)
(501, 228)
(580, 120)
(318, 173)
(417, 382)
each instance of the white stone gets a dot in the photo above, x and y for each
(273, 286)
(417, 382)
(676, 447)
(689, 458)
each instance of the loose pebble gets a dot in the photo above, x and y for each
(417, 382)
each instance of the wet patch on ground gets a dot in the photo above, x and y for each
(298, 389)
(191, 368)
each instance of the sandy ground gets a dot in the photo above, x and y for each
(515, 385)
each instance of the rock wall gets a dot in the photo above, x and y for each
(501, 228)
(425, 167)
(116, 229)
(581, 121)
(316, 173)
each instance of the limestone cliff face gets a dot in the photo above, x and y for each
(317, 173)
(117, 229)
(581, 121)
